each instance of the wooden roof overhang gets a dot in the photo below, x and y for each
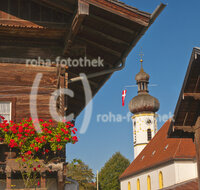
(73, 28)
(187, 110)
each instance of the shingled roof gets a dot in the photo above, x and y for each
(161, 150)
(187, 185)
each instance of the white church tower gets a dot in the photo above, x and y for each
(144, 107)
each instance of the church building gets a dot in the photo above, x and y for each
(159, 162)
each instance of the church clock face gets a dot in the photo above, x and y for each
(148, 122)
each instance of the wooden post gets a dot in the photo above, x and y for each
(197, 144)
(43, 180)
(8, 181)
(61, 181)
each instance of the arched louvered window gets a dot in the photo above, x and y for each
(129, 186)
(148, 183)
(138, 184)
(149, 135)
(160, 180)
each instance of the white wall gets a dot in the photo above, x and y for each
(140, 127)
(172, 174)
(185, 170)
(168, 173)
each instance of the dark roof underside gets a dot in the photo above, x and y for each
(188, 105)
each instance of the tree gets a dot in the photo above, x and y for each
(80, 172)
(113, 168)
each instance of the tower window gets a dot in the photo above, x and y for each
(149, 135)
(139, 87)
(135, 140)
(148, 122)
(160, 180)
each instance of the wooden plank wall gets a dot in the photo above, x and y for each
(29, 10)
(16, 81)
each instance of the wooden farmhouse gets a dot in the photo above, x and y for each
(186, 123)
(34, 35)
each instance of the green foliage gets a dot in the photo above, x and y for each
(29, 171)
(79, 171)
(113, 168)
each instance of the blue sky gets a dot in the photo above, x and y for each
(167, 47)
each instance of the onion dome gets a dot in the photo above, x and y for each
(143, 102)
(142, 76)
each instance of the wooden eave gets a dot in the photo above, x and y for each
(110, 29)
(122, 10)
(188, 106)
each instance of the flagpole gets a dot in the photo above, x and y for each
(97, 180)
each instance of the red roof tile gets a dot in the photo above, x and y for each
(188, 185)
(165, 149)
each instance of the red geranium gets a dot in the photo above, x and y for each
(24, 137)
(29, 152)
(36, 149)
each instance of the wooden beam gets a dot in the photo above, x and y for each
(113, 52)
(82, 12)
(189, 129)
(61, 181)
(197, 84)
(30, 52)
(106, 64)
(103, 35)
(133, 15)
(12, 60)
(120, 27)
(185, 118)
(76, 75)
(15, 64)
(58, 4)
(8, 180)
(197, 145)
(196, 96)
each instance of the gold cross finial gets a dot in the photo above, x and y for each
(141, 59)
(141, 55)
